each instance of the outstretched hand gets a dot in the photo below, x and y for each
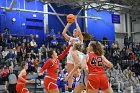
(32, 81)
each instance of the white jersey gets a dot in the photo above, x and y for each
(69, 57)
(76, 41)
(80, 57)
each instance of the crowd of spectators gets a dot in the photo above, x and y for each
(14, 50)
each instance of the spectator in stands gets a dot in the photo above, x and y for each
(115, 53)
(28, 48)
(130, 41)
(2, 41)
(22, 49)
(123, 54)
(59, 36)
(54, 43)
(11, 81)
(105, 40)
(31, 37)
(35, 48)
(10, 42)
(4, 73)
(17, 49)
(52, 34)
(43, 51)
(48, 39)
(31, 65)
(33, 43)
(10, 55)
(6, 31)
(33, 55)
(5, 52)
(23, 58)
(126, 41)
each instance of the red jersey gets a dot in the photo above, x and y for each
(21, 85)
(21, 81)
(95, 64)
(53, 66)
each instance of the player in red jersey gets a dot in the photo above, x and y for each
(52, 67)
(96, 73)
(21, 83)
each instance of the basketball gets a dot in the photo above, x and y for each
(70, 18)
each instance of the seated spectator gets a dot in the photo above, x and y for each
(48, 39)
(28, 48)
(105, 40)
(22, 49)
(10, 42)
(33, 43)
(32, 54)
(59, 36)
(31, 65)
(35, 48)
(10, 55)
(5, 52)
(54, 43)
(43, 51)
(52, 34)
(2, 41)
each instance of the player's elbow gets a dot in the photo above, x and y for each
(63, 33)
(110, 65)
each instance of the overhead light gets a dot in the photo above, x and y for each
(34, 15)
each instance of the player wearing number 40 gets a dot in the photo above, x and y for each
(96, 62)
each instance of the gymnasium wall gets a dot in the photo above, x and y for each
(136, 31)
(120, 30)
(54, 23)
(25, 22)
(99, 28)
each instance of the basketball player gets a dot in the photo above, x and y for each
(77, 58)
(52, 67)
(78, 38)
(96, 73)
(21, 83)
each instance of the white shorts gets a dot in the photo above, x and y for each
(70, 59)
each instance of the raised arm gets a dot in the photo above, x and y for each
(65, 30)
(79, 30)
(107, 62)
(46, 66)
(63, 54)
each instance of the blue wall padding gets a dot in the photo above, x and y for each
(102, 27)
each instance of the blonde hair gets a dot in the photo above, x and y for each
(97, 47)
(78, 46)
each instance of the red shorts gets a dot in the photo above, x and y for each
(50, 83)
(97, 81)
(21, 88)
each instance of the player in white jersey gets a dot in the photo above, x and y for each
(78, 37)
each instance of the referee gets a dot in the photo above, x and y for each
(12, 81)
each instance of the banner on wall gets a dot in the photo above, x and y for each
(115, 19)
